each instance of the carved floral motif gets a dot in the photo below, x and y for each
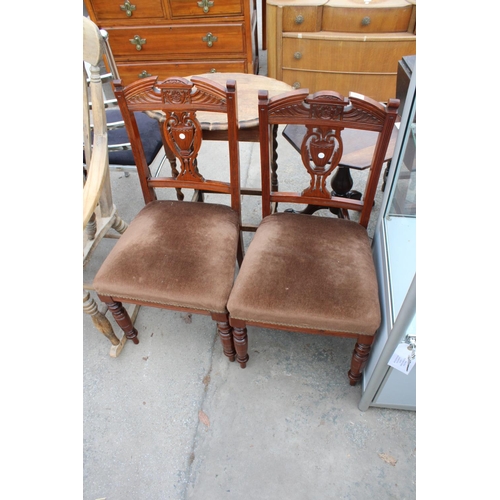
(176, 96)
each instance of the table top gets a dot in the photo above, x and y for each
(359, 145)
(247, 90)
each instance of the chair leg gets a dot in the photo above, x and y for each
(119, 224)
(122, 318)
(91, 228)
(240, 342)
(359, 357)
(100, 321)
(102, 324)
(226, 338)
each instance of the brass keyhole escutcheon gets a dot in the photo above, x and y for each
(138, 42)
(205, 5)
(128, 8)
(210, 39)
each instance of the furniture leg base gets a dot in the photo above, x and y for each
(115, 350)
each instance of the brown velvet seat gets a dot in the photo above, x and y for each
(158, 260)
(310, 273)
(175, 254)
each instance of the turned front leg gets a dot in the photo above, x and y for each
(359, 358)
(226, 338)
(240, 342)
(100, 321)
(122, 318)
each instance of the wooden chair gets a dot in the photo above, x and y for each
(311, 273)
(99, 212)
(178, 255)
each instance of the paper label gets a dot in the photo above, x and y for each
(404, 358)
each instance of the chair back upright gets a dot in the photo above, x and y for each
(177, 101)
(95, 137)
(325, 114)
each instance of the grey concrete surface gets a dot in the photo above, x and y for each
(172, 419)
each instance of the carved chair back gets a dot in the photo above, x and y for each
(325, 114)
(175, 103)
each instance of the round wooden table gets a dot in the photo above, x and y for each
(214, 125)
(247, 90)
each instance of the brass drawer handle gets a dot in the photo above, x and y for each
(297, 55)
(299, 19)
(205, 5)
(128, 8)
(296, 85)
(138, 42)
(213, 70)
(144, 74)
(210, 39)
(366, 21)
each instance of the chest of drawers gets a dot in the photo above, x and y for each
(179, 37)
(341, 45)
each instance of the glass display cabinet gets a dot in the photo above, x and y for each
(389, 379)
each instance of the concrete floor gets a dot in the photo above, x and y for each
(171, 418)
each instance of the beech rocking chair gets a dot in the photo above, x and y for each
(99, 212)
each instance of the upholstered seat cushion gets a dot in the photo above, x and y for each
(175, 254)
(308, 272)
(148, 130)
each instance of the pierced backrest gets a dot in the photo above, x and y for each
(96, 142)
(325, 114)
(177, 100)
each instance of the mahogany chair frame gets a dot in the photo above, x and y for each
(179, 99)
(325, 114)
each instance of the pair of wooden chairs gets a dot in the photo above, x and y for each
(305, 273)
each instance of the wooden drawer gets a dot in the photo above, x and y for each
(106, 10)
(132, 72)
(378, 87)
(190, 8)
(177, 42)
(302, 18)
(350, 54)
(366, 20)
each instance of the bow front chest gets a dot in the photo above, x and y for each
(341, 45)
